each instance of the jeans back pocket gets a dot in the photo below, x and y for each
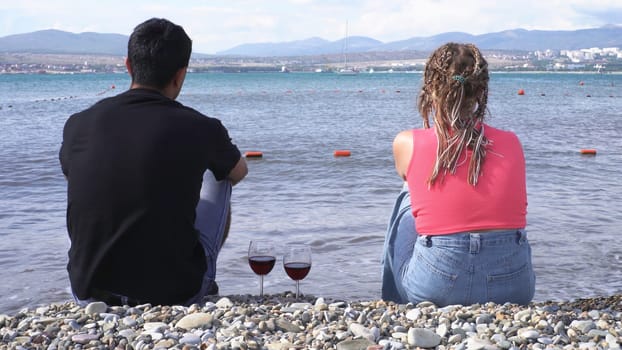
(430, 276)
(517, 285)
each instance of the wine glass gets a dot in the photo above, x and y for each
(297, 263)
(261, 258)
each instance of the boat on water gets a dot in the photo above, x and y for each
(599, 68)
(346, 70)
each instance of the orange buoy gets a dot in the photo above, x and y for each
(590, 151)
(521, 92)
(342, 153)
(253, 154)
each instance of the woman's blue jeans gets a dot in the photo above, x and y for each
(463, 268)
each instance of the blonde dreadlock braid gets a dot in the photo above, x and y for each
(455, 94)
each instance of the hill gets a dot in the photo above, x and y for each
(60, 42)
(307, 47)
(53, 41)
(517, 40)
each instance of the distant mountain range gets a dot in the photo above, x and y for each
(516, 39)
(53, 41)
(60, 42)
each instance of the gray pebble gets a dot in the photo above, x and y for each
(96, 307)
(278, 322)
(355, 344)
(191, 339)
(84, 338)
(582, 326)
(424, 338)
(196, 320)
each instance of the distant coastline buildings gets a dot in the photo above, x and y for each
(601, 60)
(598, 59)
(592, 54)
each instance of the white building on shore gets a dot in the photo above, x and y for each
(581, 55)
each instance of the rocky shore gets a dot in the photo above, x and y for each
(278, 322)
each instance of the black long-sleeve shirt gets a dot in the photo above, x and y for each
(134, 164)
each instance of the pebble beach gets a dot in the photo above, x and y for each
(280, 322)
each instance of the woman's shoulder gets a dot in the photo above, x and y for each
(406, 138)
(403, 139)
(503, 139)
(422, 131)
(404, 134)
(414, 132)
(492, 131)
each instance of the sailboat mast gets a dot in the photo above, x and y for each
(345, 70)
(345, 50)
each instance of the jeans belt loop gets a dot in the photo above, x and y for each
(428, 241)
(474, 243)
(521, 237)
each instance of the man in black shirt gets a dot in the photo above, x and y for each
(135, 165)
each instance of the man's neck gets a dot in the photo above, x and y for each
(146, 87)
(167, 91)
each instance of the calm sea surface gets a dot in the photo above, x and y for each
(299, 192)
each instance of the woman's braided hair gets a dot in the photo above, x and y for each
(455, 94)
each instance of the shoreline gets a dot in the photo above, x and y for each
(280, 322)
(492, 71)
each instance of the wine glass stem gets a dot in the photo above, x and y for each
(261, 285)
(297, 288)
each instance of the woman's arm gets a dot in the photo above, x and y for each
(402, 152)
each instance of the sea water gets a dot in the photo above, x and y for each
(299, 192)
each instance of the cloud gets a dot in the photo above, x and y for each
(217, 25)
(402, 19)
(250, 23)
(601, 11)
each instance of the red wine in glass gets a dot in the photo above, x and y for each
(297, 270)
(297, 263)
(261, 259)
(262, 265)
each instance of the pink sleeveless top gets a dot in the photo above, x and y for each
(452, 205)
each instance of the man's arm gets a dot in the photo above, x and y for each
(238, 172)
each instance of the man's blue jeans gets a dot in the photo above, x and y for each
(462, 268)
(211, 221)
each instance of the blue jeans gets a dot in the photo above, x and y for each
(461, 268)
(211, 221)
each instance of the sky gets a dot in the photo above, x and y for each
(217, 25)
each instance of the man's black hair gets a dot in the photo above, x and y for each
(157, 49)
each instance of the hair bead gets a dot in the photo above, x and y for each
(459, 78)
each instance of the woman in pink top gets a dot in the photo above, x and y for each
(456, 235)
